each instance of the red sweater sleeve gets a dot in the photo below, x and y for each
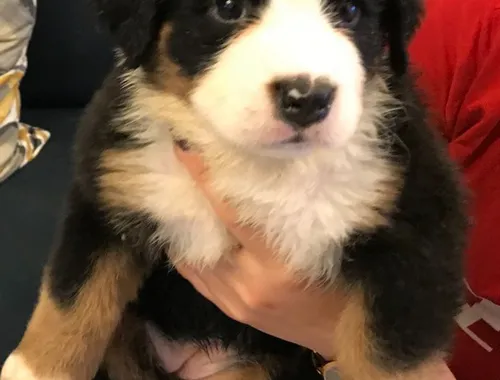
(457, 52)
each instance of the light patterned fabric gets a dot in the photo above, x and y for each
(19, 143)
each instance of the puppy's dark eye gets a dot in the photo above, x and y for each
(230, 11)
(349, 13)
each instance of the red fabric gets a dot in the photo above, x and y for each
(457, 51)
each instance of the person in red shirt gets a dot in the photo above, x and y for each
(456, 52)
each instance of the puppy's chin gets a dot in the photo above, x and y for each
(296, 146)
(282, 141)
(285, 150)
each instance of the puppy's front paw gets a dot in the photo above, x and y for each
(16, 368)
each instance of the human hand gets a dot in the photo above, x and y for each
(255, 288)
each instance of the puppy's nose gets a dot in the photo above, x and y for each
(301, 102)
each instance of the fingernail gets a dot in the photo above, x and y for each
(183, 144)
(181, 153)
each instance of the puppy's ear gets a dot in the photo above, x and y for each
(400, 19)
(132, 25)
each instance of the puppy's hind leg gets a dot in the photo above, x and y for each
(67, 336)
(130, 355)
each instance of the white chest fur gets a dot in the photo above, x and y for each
(306, 207)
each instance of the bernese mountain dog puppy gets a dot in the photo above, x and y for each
(306, 116)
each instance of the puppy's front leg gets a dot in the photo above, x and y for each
(69, 330)
(361, 354)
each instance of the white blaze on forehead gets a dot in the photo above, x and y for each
(294, 36)
(291, 37)
(304, 39)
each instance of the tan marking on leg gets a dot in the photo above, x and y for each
(130, 355)
(358, 349)
(356, 346)
(70, 342)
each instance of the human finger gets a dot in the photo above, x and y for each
(193, 163)
(198, 283)
(218, 286)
